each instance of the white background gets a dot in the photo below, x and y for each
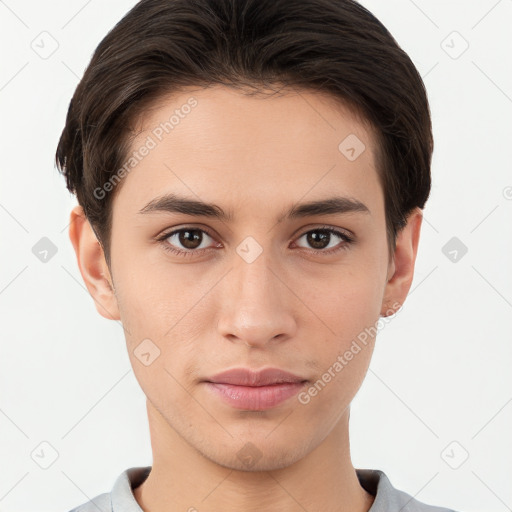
(441, 368)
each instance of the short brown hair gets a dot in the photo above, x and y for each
(332, 46)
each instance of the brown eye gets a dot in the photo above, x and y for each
(318, 239)
(186, 241)
(190, 239)
(326, 240)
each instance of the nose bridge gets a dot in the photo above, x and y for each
(255, 280)
(255, 310)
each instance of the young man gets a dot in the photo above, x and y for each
(251, 176)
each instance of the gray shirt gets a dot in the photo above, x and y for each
(387, 498)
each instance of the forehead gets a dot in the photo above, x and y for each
(221, 142)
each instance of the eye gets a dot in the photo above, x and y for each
(322, 240)
(190, 241)
(185, 241)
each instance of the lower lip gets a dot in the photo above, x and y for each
(255, 398)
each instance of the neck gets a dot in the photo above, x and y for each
(182, 479)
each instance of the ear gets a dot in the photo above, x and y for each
(92, 264)
(401, 268)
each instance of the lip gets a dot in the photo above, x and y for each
(248, 377)
(246, 389)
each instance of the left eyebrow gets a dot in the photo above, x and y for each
(173, 203)
(329, 206)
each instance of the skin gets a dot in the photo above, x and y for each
(293, 308)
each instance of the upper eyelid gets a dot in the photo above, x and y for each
(173, 231)
(167, 234)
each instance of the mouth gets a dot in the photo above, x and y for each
(249, 390)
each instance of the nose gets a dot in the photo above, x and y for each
(257, 308)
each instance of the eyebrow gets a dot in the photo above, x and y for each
(173, 203)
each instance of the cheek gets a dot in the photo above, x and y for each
(349, 307)
(164, 386)
(151, 298)
(348, 300)
(342, 363)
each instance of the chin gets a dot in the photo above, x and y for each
(256, 453)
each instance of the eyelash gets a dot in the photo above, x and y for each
(191, 252)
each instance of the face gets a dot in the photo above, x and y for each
(259, 279)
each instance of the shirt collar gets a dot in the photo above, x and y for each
(374, 481)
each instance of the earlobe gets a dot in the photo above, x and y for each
(92, 264)
(402, 274)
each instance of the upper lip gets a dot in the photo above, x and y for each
(248, 377)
